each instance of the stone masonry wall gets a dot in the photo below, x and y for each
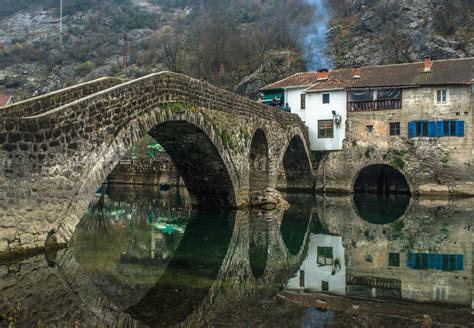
(52, 163)
(155, 173)
(431, 165)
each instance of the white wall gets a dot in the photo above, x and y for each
(293, 98)
(315, 274)
(316, 110)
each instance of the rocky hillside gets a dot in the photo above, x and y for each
(238, 45)
(368, 32)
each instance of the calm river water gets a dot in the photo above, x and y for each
(144, 257)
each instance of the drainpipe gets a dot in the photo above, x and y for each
(323, 158)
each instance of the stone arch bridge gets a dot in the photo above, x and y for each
(57, 149)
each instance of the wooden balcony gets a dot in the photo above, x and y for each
(363, 106)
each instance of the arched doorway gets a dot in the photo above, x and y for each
(258, 162)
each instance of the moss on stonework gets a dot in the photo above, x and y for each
(398, 163)
(444, 160)
(244, 134)
(401, 152)
(225, 136)
(179, 106)
(23, 253)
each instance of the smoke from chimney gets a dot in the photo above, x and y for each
(315, 43)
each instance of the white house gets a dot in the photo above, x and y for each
(320, 100)
(324, 269)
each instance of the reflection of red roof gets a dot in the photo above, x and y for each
(443, 72)
(4, 99)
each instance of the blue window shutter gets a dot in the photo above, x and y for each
(431, 261)
(460, 128)
(459, 262)
(439, 261)
(411, 260)
(440, 129)
(432, 129)
(411, 129)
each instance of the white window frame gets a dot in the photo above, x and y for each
(440, 99)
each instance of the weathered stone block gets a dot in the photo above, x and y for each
(433, 189)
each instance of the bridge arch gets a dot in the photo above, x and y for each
(380, 179)
(259, 162)
(381, 194)
(296, 173)
(195, 149)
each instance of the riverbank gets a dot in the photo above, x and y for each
(344, 311)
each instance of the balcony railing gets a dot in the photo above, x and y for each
(361, 106)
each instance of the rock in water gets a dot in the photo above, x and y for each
(268, 199)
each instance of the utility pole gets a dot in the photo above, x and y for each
(61, 23)
(125, 54)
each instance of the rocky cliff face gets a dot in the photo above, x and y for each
(380, 32)
(361, 32)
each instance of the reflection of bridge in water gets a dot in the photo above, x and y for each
(220, 263)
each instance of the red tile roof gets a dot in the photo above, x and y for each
(443, 72)
(4, 99)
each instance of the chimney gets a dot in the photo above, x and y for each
(322, 74)
(357, 72)
(427, 63)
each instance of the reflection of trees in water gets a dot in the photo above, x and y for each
(191, 272)
(96, 219)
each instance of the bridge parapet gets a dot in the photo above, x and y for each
(46, 102)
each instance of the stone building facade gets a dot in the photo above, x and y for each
(407, 127)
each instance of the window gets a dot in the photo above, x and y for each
(442, 262)
(395, 129)
(447, 128)
(394, 259)
(303, 101)
(421, 129)
(325, 98)
(324, 286)
(441, 95)
(301, 278)
(441, 294)
(325, 129)
(324, 255)
(370, 128)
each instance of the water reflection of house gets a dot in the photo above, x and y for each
(324, 268)
(444, 275)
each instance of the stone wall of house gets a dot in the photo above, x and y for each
(429, 225)
(52, 163)
(431, 165)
